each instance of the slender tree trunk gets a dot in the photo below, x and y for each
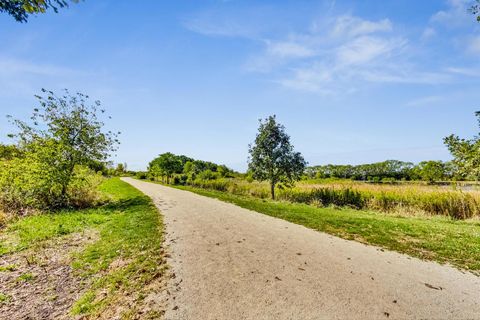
(272, 189)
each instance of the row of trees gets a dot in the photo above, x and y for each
(168, 166)
(388, 170)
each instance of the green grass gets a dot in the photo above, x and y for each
(125, 259)
(26, 277)
(8, 268)
(134, 240)
(438, 238)
(4, 298)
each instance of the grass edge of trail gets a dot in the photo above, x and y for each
(121, 267)
(439, 239)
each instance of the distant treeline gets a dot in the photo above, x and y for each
(388, 170)
(181, 169)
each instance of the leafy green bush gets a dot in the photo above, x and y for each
(207, 175)
(141, 175)
(26, 184)
(83, 191)
(49, 167)
(325, 197)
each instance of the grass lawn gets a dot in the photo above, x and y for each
(433, 238)
(124, 259)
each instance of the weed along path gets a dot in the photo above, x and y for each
(232, 263)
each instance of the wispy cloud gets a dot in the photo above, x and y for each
(18, 76)
(349, 26)
(344, 53)
(428, 33)
(473, 46)
(424, 101)
(13, 66)
(454, 15)
(286, 49)
(357, 51)
(470, 72)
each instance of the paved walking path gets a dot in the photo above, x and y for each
(232, 263)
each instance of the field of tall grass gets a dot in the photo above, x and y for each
(453, 201)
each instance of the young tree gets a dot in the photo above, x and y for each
(66, 132)
(272, 157)
(466, 154)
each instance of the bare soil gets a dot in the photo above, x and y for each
(40, 283)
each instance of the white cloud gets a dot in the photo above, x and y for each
(286, 49)
(357, 52)
(353, 26)
(428, 33)
(19, 76)
(344, 53)
(424, 101)
(473, 46)
(406, 76)
(471, 72)
(455, 15)
(13, 66)
(365, 49)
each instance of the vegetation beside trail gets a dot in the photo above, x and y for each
(274, 168)
(118, 269)
(406, 199)
(437, 238)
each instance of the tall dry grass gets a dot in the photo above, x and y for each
(404, 198)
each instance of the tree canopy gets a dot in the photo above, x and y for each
(168, 165)
(466, 153)
(272, 156)
(65, 132)
(20, 10)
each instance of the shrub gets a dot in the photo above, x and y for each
(141, 175)
(207, 175)
(325, 196)
(83, 190)
(26, 185)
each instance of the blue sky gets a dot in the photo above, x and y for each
(353, 81)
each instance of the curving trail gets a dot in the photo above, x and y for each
(232, 263)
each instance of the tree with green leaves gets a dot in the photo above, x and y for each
(20, 10)
(65, 132)
(272, 156)
(466, 154)
(121, 169)
(431, 171)
(9, 152)
(165, 165)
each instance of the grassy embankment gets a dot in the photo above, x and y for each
(124, 259)
(437, 238)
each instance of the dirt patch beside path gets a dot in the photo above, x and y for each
(40, 283)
